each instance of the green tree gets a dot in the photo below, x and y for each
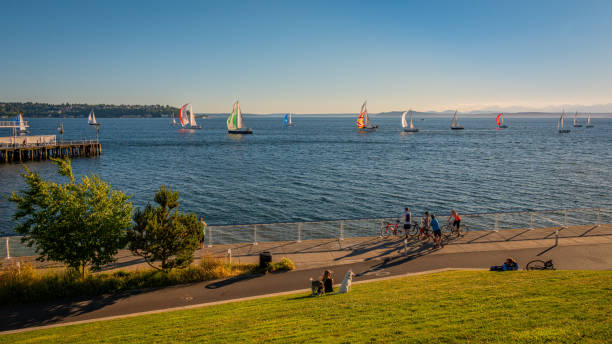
(81, 224)
(164, 234)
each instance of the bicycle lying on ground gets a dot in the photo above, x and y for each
(540, 265)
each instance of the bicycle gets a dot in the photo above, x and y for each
(540, 265)
(414, 231)
(449, 230)
(391, 228)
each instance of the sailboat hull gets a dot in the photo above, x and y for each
(564, 131)
(589, 126)
(457, 128)
(374, 128)
(413, 130)
(577, 125)
(503, 126)
(240, 131)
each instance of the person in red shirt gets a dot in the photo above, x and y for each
(455, 219)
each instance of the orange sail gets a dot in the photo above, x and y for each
(498, 116)
(360, 122)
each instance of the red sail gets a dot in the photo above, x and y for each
(181, 115)
(498, 116)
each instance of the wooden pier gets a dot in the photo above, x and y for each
(44, 151)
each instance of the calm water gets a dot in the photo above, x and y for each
(323, 169)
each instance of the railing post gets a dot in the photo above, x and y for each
(565, 219)
(530, 220)
(342, 230)
(209, 236)
(8, 249)
(254, 234)
(496, 226)
(299, 232)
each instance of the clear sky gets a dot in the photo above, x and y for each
(308, 56)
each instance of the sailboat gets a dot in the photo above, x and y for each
(363, 121)
(235, 124)
(187, 118)
(288, 120)
(576, 121)
(408, 127)
(589, 125)
(23, 128)
(455, 123)
(91, 120)
(500, 121)
(560, 124)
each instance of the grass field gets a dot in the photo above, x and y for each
(448, 307)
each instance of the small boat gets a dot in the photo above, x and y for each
(23, 127)
(187, 118)
(576, 121)
(91, 120)
(363, 121)
(560, 124)
(235, 124)
(455, 123)
(500, 121)
(589, 125)
(409, 128)
(287, 120)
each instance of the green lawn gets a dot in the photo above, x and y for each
(476, 307)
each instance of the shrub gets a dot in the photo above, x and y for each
(21, 283)
(285, 264)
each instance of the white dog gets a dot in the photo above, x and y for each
(346, 283)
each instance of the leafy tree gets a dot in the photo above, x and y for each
(164, 234)
(80, 224)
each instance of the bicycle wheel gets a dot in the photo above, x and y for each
(447, 231)
(536, 265)
(413, 232)
(386, 231)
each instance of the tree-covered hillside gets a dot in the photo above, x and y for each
(82, 110)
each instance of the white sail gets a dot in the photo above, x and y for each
(404, 123)
(455, 121)
(290, 120)
(92, 118)
(411, 125)
(501, 119)
(560, 123)
(575, 115)
(240, 124)
(192, 120)
(589, 119)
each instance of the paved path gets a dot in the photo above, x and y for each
(583, 248)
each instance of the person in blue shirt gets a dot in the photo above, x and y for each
(509, 265)
(435, 226)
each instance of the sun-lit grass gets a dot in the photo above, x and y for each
(476, 307)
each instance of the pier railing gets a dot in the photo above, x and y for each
(350, 228)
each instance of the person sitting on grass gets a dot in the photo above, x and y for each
(328, 281)
(509, 265)
(435, 226)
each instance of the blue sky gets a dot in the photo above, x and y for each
(309, 56)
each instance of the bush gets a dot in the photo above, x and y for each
(21, 283)
(285, 264)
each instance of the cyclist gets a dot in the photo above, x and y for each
(435, 226)
(455, 220)
(407, 218)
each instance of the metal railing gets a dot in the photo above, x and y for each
(352, 228)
